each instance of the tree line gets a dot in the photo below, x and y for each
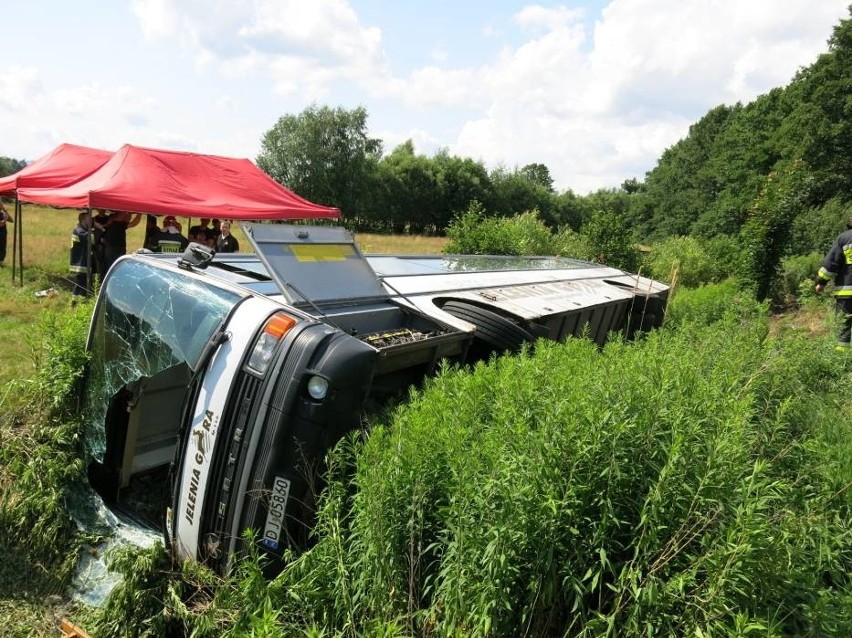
(326, 155)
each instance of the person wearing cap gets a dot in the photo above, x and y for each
(115, 235)
(837, 265)
(169, 238)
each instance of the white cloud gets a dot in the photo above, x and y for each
(304, 45)
(20, 87)
(537, 16)
(34, 116)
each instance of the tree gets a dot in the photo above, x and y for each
(611, 240)
(9, 166)
(766, 235)
(538, 174)
(322, 154)
(518, 191)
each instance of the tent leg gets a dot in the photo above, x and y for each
(16, 244)
(89, 246)
(19, 224)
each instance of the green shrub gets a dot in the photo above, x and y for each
(726, 254)
(686, 256)
(612, 241)
(475, 234)
(707, 304)
(569, 243)
(797, 277)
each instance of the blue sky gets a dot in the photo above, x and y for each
(595, 90)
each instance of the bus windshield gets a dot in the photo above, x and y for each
(147, 320)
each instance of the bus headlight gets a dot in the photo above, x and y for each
(317, 387)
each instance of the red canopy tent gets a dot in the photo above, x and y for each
(160, 182)
(64, 165)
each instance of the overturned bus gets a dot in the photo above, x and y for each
(217, 383)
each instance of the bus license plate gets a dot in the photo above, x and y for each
(277, 508)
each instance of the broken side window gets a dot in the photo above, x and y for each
(147, 320)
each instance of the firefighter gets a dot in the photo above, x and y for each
(838, 265)
(170, 239)
(81, 254)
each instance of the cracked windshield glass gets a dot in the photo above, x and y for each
(149, 321)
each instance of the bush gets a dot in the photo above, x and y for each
(685, 256)
(612, 241)
(797, 278)
(711, 303)
(475, 234)
(568, 243)
(679, 486)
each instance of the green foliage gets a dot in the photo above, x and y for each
(707, 182)
(538, 174)
(9, 166)
(474, 233)
(682, 186)
(586, 493)
(766, 234)
(322, 154)
(568, 243)
(137, 605)
(523, 190)
(710, 303)
(693, 261)
(796, 281)
(39, 448)
(816, 228)
(612, 241)
(692, 483)
(687, 259)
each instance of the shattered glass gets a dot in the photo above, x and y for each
(147, 319)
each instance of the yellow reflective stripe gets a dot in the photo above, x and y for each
(824, 274)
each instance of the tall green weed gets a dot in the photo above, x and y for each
(695, 482)
(694, 262)
(39, 447)
(679, 486)
(711, 303)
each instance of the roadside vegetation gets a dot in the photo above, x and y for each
(698, 481)
(695, 482)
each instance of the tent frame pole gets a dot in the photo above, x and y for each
(17, 244)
